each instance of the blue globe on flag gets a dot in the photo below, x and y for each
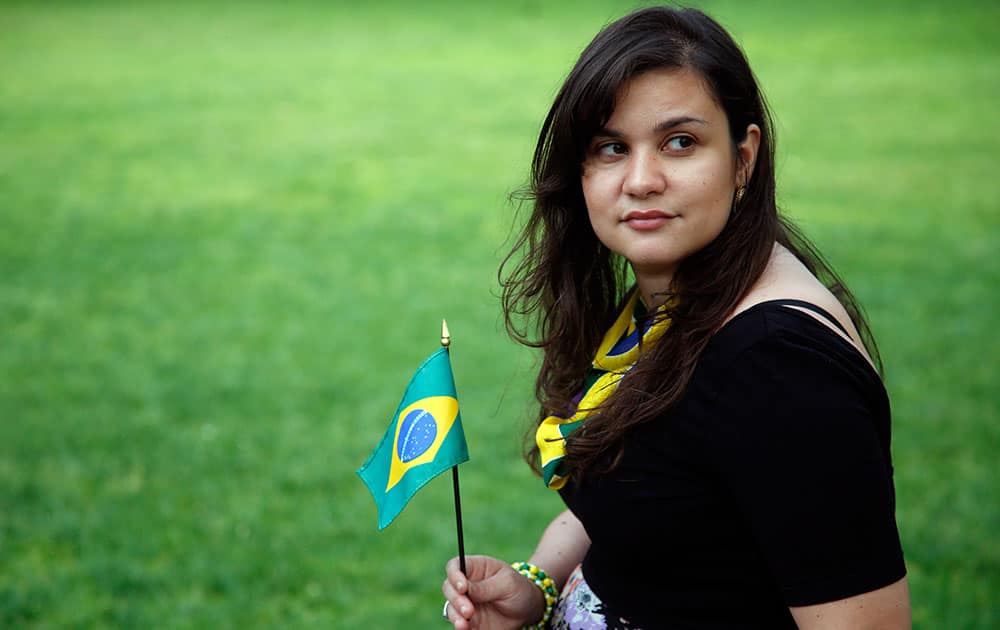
(416, 435)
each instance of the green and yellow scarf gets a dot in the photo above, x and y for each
(618, 352)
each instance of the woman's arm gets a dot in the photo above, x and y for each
(887, 607)
(561, 548)
(492, 595)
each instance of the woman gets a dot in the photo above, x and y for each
(710, 412)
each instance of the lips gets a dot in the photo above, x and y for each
(648, 219)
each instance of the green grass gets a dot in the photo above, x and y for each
(229, 234)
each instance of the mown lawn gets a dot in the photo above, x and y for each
(229, 231)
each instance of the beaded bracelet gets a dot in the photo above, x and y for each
(540, 579)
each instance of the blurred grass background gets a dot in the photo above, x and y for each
(229, 231)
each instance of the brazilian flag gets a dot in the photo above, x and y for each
(424, 439)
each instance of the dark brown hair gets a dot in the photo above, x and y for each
(562, 287)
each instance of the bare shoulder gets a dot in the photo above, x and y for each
(786, 278)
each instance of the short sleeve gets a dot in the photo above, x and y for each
(799, 441)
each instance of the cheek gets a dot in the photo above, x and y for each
(591, 196)
(715, 188)
(719, 193)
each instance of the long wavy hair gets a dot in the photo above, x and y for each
(562, 288)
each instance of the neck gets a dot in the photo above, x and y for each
(653, 288)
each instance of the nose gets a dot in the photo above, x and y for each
(645, 176)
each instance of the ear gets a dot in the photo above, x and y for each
(746, 152)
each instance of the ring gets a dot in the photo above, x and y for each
(444, 611)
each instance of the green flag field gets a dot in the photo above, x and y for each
(229, 232)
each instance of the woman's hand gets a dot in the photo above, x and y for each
(492, 597)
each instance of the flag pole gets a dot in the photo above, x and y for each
(446, 342)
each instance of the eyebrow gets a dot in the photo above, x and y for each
(665, 125)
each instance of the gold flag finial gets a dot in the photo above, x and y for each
(445, 334)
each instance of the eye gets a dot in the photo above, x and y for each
(680, 143)
(610, 149)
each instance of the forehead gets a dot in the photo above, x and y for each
(666, 92)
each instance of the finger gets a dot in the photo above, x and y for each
(463, 606)
(499, 586)
(455, 576)
(459, 622)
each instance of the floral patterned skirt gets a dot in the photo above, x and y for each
(580, 609)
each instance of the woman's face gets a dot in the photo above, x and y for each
(659, 178)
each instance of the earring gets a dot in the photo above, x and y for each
(740, 192)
